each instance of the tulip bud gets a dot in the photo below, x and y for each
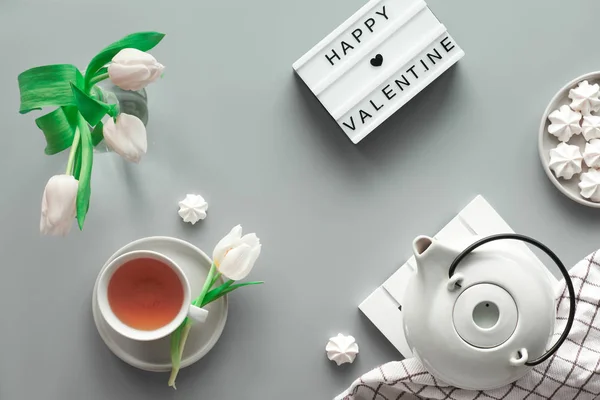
(58, 205)
(235, 255)
(132, 69)
(126, 137)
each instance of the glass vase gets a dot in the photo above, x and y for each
(129, 102)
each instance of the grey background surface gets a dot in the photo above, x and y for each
(232, 122)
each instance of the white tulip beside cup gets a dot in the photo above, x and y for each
(146, 288)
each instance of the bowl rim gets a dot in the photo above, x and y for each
(542, 132)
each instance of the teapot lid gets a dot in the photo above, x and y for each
(485, 315)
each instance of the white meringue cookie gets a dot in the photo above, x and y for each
(565, 123)
(193, 208)
(585, 98)
(342, 349)
(591, 127)
(565, 160)
(591, 154)
(590, 185)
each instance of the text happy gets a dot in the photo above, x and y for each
(354, 39)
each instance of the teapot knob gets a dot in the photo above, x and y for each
(520, 359)
(455, 282)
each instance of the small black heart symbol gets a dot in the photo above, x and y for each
(377, 60)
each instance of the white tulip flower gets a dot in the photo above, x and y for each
(132, 69)
(58, 205)
(235, 255)
(126, 137)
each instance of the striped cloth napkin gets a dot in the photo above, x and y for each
(573, 373)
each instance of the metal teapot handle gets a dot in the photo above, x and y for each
(554, 257)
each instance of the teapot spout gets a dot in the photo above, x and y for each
(421, 245)
(433, 257)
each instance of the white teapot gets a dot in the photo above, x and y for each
(481, 318)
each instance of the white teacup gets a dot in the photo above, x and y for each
(187, 309)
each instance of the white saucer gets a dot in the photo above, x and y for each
(154, 356)
(546, 142)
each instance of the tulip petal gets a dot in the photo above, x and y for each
(250, 239)
(132, 69)
(156, 72)
(245, 269)
(134, 128)
(131, 56)
(129, 77)
(236, 262)
(58, 205)
(45, 227)
(127, 137)
(226, 244)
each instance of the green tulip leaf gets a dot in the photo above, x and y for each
(92, 110)
(59, 128)
(49, 85)
(142, 41)
(218, 290)
(84, 191)
(224, 289)
(97, 134)
(77, 163)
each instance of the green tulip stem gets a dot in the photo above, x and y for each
(74, 146)
(184, 336)
(208, 283)
(215, 279)
(188, 324)
(97, 79)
